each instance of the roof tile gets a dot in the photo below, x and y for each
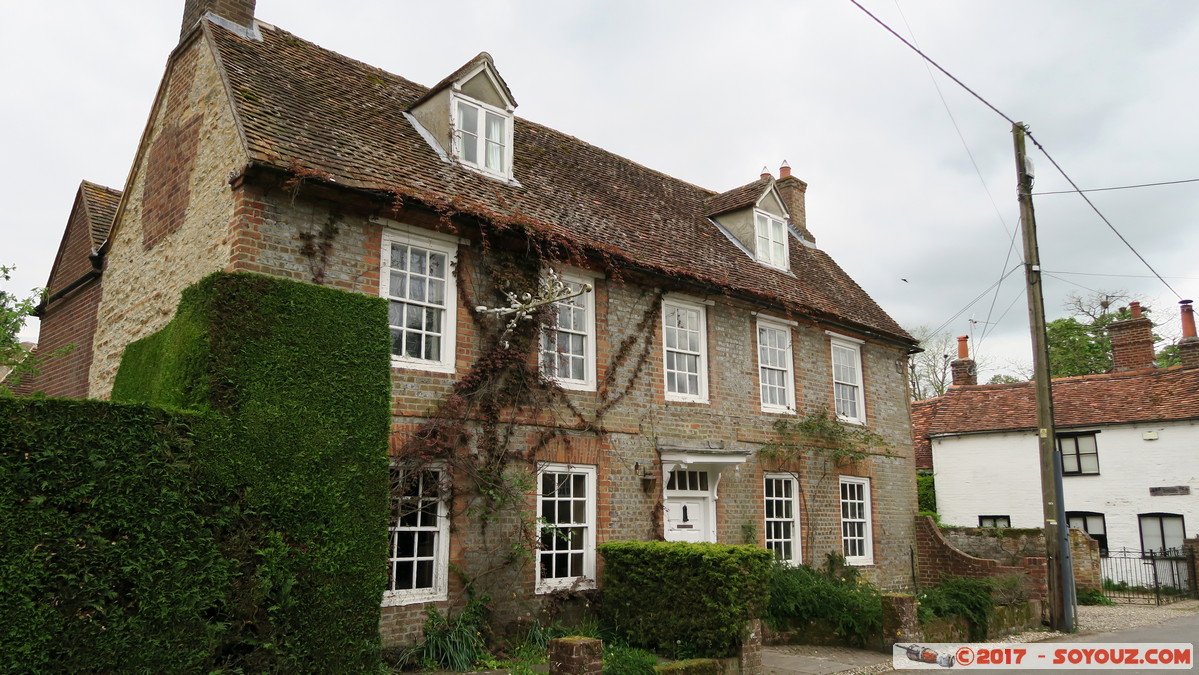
(1148, 395)
(304, 106)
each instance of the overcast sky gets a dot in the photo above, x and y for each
(711, 92)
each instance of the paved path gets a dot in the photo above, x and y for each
(1169, 623)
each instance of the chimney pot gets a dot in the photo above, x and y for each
(1135, 308)
(1188, 346)
(1188, 319)
(963, 348)
(765, 173)
(785, 170)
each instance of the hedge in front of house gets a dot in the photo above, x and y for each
(300, 375)
(109, 552)
(682, 599)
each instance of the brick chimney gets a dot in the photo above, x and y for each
(240, 12)
(1132, 341)
(1188, 346)
(964, 372)
(793, 190)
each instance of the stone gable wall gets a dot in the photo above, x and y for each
(174, 226)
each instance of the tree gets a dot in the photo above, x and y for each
(1079, 343)
(929, 371)
(1077, 348)
(14, 311)
(1006, 378)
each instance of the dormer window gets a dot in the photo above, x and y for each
(467, 119)
(770, 235)
(483, 137)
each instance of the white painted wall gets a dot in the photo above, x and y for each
(999, 474)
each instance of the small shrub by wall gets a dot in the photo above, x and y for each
(832, 605)
(110, 557)
(682, 599)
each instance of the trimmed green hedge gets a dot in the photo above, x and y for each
(681, 599)
(110, 554)
(300, 375)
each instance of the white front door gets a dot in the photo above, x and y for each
(689, 506)
(687, 519)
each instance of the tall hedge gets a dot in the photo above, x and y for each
(682, 599)
(109, 541)
(299, 378)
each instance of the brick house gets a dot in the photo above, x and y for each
(68, 312)
(699, 318)
(1127, 439)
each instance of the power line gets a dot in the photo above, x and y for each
(936, 65)
(1120, 187)
(1129, 276)
(1097, 211)
(978, 297)
(961, 137)
(1032, 138)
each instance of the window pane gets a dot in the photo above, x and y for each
(399, 256)
(1069, 463)
(468, 118)
(1089, 463)
(437, 265)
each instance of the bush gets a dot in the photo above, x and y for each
(110, 558)
(926, 494)
(456, 643)
(299, 376)
(623, 660)
(683, 599)
(835, 597)
(959, 596)
(1093, 596)
(1009, 589)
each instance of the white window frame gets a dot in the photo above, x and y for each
(441, 554)
(702, 385)
(995, 522)
(587, 300)
(848, 517)
(428, 241)
(769, 257)
(481, 140)
(770, 514)
(766, 324)
(855, 348)
(587, 578)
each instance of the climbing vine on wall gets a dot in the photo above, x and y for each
(497, 417)
(823, 435)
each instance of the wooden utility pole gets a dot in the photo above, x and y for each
(1057, 532)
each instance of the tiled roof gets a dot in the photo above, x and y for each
(100, 203)
(303, 106)
(922, 415)
(1148, 395)
(737, 198)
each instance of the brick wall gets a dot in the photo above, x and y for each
(68, 324)
(937, 558)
